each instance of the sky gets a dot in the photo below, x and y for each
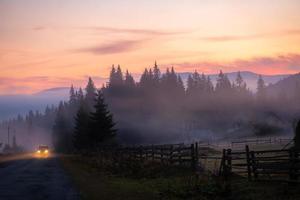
(54, 43)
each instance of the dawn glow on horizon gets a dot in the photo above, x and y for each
(54, 43)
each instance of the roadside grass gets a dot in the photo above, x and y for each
(134, 180)
(154, 182)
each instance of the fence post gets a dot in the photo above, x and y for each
(292, 170)
(296, 157)
(193, 156)
(171, 155)
(222, 165)
(253, 164)
(161, 154)
(179, 154)
(196, 155)
(152, 153)
(141, 153)
(229, 161)
(248, 163)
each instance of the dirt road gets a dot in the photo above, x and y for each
(30, 178)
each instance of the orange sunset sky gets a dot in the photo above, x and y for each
(54, 43)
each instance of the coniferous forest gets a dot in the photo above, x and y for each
(87, 112)
(159, 108)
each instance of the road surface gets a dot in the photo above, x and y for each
(30, 178)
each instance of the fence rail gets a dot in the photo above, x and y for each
(175, 154)
(272, 165)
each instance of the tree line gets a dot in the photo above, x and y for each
(160, 108)
(85, 123)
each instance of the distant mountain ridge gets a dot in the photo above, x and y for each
(11, 105)
(249, 77)
(288, 86)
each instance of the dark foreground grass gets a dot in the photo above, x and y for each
(151, 181)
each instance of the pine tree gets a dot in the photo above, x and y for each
(112, 76)
(180, 86)
(144, 79)
(209, 86)
(90, 94)
(129, 81)
(239, 80)
(73, 105)
(241, 86)
(119, 76)
(61, 141)
(190, 85)
(81, 138)
(101, 123)
(261, 89)
(72, 99)
(80, 95)
(223, 84)
(156, 74)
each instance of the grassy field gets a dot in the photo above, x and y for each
(151, 181)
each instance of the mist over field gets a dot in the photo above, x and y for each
(163, 107)
(12, 105)
(149, 99)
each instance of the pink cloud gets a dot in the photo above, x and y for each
(114, 47)
(148, 32)
(39, 28)
(289, 63)
(33, 84)
(281, 64)
(226, 38)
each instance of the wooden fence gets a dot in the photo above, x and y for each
(272, 165)
(257, 141)
(175, 154)
(251, 141)
(281, 165)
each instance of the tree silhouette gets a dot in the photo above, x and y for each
(223, 84)
(61, 139)
(90, 94)
(156, 74)
(72, 99)
(81, 132)
(129, 81)
(261, 90)
(102, 126)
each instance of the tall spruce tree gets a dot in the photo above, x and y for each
(129, 81)
(156, 74)
(239, 80)
(190, 85)
(81, 138)
(209, 86)
(61, 140)
(261, 90)
(72, 99)
(223, 84)
(80, 95)
(101, 123)
(90, 94)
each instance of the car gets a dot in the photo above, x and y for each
(43, 150)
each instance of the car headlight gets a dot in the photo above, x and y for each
(38, 151)
(46, 151)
